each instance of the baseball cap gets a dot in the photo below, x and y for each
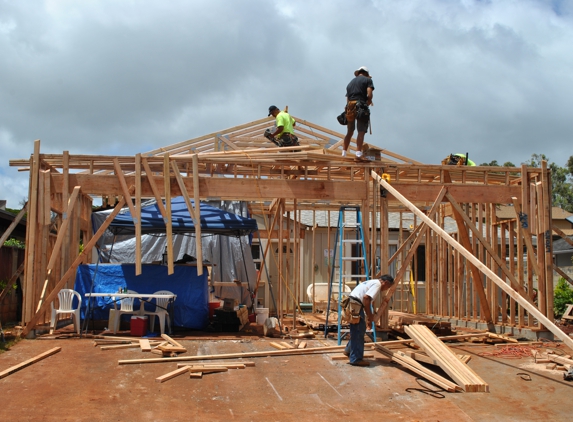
(272, 108)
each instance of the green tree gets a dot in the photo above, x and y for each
(561, 180)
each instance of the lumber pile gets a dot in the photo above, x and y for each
(416, 367)
(168, 348)
(460, 372)
(398, 320)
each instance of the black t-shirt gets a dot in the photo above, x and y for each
(357, 88)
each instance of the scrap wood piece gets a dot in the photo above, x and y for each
(196, 375)
(302, 345)
(287, 345)
(145, 345)
(344, 357)
(502, 337)
(416, 367)
(173, 342)
(560, 359)
(208, 369)
(29, 362)
(172, 374)
(172, 349)
(278, 345)
(461, 373)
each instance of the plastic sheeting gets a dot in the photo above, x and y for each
(230, 255)
(190, 309)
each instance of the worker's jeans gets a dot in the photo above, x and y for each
(355, 346)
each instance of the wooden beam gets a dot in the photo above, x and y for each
(193, 214)
(484, 269)
(62, 234)
(29, 362)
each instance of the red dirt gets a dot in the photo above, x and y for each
(84, 383)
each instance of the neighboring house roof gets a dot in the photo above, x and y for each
(504, 212)
(6, 219)
(562, 246)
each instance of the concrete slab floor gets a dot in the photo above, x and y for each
(84, 383)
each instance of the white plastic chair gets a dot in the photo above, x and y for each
(66, 301)
(126, 307)
(321, 293)
(160, 312)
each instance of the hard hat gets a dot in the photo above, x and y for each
(361, 68)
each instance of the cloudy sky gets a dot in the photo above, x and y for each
(116, 77)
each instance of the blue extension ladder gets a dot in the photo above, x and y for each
(348, 232)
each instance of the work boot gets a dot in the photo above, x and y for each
(360, 363)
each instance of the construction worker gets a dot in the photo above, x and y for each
(457, 160)
(283, 136)
(358, 98)
(363, 295)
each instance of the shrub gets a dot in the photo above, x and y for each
(563, 295)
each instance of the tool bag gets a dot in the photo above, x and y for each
(342, 118)
(351, 308)
(362, 111)
(288, 140)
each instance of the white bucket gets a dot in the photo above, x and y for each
(262, 315)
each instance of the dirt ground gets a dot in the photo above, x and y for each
(84, 383)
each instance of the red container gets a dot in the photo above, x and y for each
(212, 307)
(252, 317)
(138, 326)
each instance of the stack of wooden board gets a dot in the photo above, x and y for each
(461, 373)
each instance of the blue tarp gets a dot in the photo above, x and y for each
(213, 221)
(190, 309)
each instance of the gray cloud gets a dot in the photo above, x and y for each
(107, 77)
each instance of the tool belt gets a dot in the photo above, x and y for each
(288, 140)
(351, 308)
(357, 110)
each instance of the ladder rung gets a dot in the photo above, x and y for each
(354, 275)
(352, 258)
(352, 241)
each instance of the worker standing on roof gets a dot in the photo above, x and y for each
(283, 136)
(360, 304)
(358, 98)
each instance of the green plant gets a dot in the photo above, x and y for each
(15, 243)
(563, 295)
(4, 283)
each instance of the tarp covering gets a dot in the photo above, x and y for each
(213, 220)
(230, 255)
(190, 309)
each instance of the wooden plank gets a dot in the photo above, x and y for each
(170, 340)
(278, 346)
(29, 362)
(145, 345)
(469, 256)
(172, 374)
(230, 365)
